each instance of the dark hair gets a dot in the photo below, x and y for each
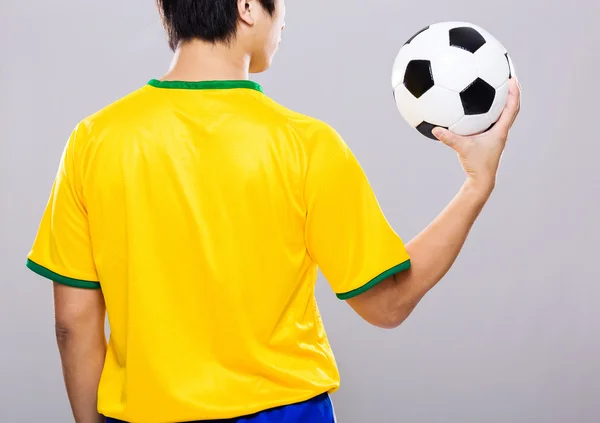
(208, 20)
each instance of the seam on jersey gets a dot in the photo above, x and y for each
(302, 136)
(305, 177)
(64, 280)
(396, 269)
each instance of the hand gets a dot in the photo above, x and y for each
(480, 154)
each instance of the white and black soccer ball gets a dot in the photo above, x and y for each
(454, 75)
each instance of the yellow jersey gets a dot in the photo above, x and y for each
(203, 211)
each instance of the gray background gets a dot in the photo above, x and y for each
(512, 333)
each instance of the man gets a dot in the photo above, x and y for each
(196, 210)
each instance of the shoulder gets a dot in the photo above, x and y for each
(134, 106)
(96, 128)
(314, 132)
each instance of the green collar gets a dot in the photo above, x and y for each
(205, 85)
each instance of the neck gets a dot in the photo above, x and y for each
(200, 61)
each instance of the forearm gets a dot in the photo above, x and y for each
(82, 352)
(436, 248)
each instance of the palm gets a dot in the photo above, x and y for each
(480, 154)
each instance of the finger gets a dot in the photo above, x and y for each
(512, 107)
(511, 110)
(518, 90)
(449, 138)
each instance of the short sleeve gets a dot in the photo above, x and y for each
(62, 250)
(347, 234)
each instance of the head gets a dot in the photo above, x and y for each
(252, 26)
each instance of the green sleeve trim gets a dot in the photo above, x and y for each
(396, 269)
(47, 273)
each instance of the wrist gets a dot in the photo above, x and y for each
(479, 189)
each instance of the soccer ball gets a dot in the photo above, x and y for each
(454, 75)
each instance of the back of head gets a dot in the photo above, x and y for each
(256, 24)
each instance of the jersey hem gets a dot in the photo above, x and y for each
(396, 269)
(64, 280)
(266, 407)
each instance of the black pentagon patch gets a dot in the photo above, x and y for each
(467, 38)
(425, 128)
(509, 69)
(418, 78)
(417, 33)
(478, 97)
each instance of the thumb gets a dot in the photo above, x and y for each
(447, 137)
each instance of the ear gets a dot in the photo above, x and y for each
(246, 9)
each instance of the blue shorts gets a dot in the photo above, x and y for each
(316, 410)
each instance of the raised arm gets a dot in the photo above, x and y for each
(435, 249)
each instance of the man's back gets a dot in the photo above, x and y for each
(202, 210)
(208, 208)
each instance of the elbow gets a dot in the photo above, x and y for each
(72, 325)
(67, 321)
(392, 319)
(63, 332)
(400, 301)
(389, 316)
(78, 315)
(386, 305)
(75, 332)
(396, 310)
